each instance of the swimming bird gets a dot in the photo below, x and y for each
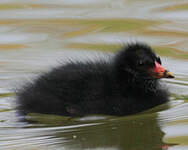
(127, 83)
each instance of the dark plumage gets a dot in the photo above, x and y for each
(126, 84)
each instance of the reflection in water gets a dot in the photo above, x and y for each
(131, 133)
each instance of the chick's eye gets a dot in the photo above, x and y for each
(159, 60)
(140, 63)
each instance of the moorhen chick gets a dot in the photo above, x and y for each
(128, 83)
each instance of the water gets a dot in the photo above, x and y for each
(37, 35)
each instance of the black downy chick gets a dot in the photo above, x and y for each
(127, 84)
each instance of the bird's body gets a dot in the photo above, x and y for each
(105, 87)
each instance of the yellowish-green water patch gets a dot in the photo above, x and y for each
(184, 97)
(12, 46)
(47, 119)
(164, 33)
(104, 25)
(83, 31)
(12, 6)
(175, 7)
(109, 25)
(171, 52)
(99, 47)
(119, 25)
(183, 140)
(176, 122)
(7, 95)
(5, 110)
(161, 50)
